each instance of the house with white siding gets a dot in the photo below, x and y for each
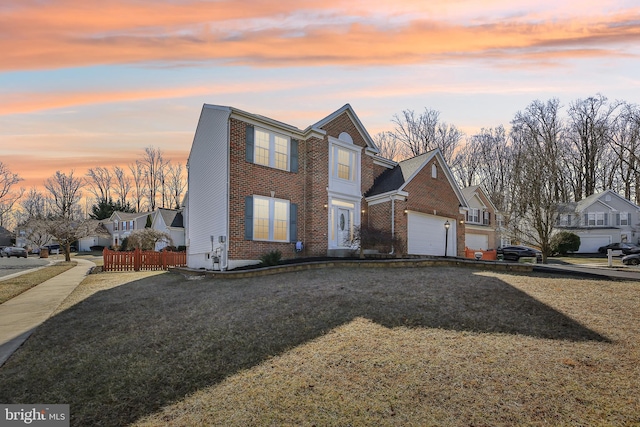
(601, 219)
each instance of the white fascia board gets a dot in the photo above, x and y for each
(386, 197)
(381, 161)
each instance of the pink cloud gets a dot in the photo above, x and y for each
(264, 33)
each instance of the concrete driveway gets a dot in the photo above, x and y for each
(10, 266)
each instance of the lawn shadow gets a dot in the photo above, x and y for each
(128, 351)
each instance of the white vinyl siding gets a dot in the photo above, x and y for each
(207, 204)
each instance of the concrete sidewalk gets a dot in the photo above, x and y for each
(21, 315)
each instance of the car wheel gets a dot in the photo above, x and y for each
(634, 261)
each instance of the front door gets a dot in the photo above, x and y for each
(343, 224)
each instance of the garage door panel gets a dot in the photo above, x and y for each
(477, 241)
(590, 244)
(426, 235)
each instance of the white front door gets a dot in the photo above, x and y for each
(343, 228)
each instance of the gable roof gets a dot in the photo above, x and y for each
(127, 216)
(396, 179)
(596, 198)
(171, 217)
(356, 121)
(471, 192)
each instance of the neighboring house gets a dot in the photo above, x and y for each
(5, 237)
(100, 237)
(482, 220)
(169, 221)
(601, 219)
(121, 224)
(257, 185)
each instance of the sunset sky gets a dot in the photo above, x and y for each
(86, 84)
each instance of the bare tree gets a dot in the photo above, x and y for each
(176, 184)
(153, 166)
(589, 125)
(537, 137)
(139, 191)
(65, 191)
(65, 231)
(122, 185)
(467, 163)
(389, 146)
(625, 142)
(99, 182)
(34, 204)
(8, 197)
(425, 132)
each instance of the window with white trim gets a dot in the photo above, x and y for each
(270, 219)
(624, 218)
(474, 216)
(271, 149)
(344, 164)
(596, 219)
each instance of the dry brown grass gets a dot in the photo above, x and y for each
(15, 286)
(431, 346)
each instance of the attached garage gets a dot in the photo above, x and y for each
(426, 234)
(590, 244)
(477, 241)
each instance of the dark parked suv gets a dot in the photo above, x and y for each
(515, 252)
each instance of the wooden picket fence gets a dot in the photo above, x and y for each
(142, 260)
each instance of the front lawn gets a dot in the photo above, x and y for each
(13, 287)
(415, 346)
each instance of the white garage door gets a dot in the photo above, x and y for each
(590, 244)
(426, 235)
(477, 241)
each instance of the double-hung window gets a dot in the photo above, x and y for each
(270, 219)
(474, 216)
(267, 148)
(344, 164)
(595, 219)
(624, 218)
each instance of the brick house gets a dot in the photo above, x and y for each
(482, 221)
(257, 185)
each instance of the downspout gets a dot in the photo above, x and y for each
(224, 259)
(393, 222)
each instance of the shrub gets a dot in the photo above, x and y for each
(271, 258)
(565, 242)
(372, 238)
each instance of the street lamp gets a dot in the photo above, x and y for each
(446, 237)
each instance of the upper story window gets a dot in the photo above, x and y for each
(486, 218)
(625, 218)
(434, 171)
(344, 164)
(564, 220)
(271, 149)
(473, 216)
(115, 225)
(596, 219)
